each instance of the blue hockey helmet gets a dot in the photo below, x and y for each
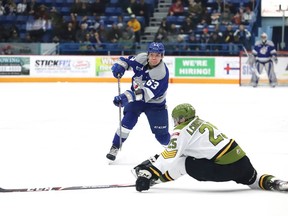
(155, 47)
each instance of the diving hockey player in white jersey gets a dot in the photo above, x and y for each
(199, 149)
(146, 95)
(265, 55)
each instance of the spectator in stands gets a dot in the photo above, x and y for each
(243, 36)
(141, 8)
(37, 29)
(228, 38)
(102, 31)
(214, 40)
(13, 33)
(204, 39)
(126, 43)
(14, 37)
(84, 9)
(173, 33)
(164, 24)
(73, 19)
(206, 15)
(237, 18)
(135, 25)
(43, 12)
(129, 32)
(81, 32)
(97, 43)
(226, 16)
(86, 45)
(95, 39)
(22, 7)
(172, 38)
(94, 22)
(251, 4)
(176, 9)
(57, 22)
(192, 45)
(248, 16)
(120, 22)
(32, 6)
(10, 7)
(161, 35)
(114, 34)
(195, 8)
(187, 26)
(68, 34)
(98, 8)
(215, 18)
(179, 48)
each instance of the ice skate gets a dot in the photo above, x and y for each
(112, 153)
(278, 185)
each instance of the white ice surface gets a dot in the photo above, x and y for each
(57, 134)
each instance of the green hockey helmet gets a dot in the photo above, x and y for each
(182, 113)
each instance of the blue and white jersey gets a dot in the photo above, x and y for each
(264, 52)
(152, 81)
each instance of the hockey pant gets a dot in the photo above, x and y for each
(241, 171)
(157, 117)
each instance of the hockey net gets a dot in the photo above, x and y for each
(281, 70)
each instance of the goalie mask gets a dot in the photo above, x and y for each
(182, 113)
(264, 37)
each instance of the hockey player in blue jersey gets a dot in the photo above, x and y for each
(265, 56)
(146, 95)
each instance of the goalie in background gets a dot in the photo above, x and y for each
(264, 56)
(199, 149)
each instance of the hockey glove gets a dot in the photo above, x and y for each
(145, 164)
(143, 180)
(123, 99)
(275, 59)
(118, 70)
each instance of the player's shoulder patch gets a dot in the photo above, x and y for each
(142, 58)
(158, 72)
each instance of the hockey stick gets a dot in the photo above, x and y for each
(120, 117)
(3, 190)
(254, 70)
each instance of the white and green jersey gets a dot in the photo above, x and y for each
(199, 139)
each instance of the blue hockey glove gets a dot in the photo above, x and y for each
(123, 99)
(118, 70)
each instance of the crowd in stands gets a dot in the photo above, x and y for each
(203, 26)
(72, 20)
(190, 25)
